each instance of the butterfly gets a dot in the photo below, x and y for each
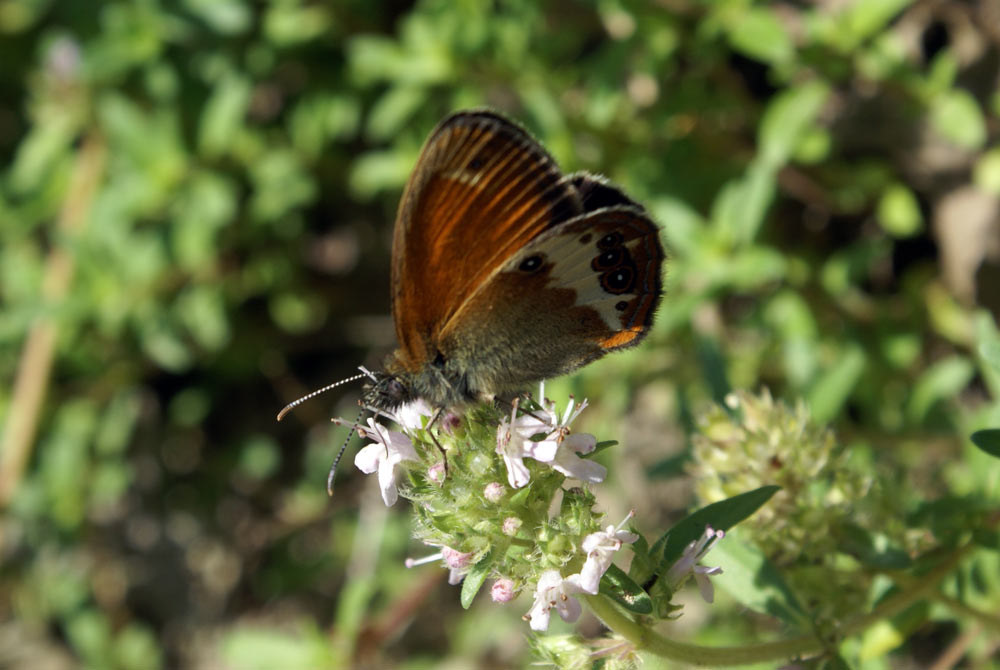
(505, 271)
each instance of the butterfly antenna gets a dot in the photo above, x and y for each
(295, 403)
(340, 454)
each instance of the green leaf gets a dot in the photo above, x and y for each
(989, 343)
(288, 23)
(619, 586)
(751, 579)
(223, 115)
(713, 368)
(686, 227)
(988, 440)
(860, 20)
(228, 17)
(254, 647)
(40, 151)
(721, 515)
(942, 380)
(601, 446)
(379, 171)
(957, 117)
(642, 566)
(759, 34)
(474, 579)
(831, 390)
(394, 110)
(787, 119)
(739, 209)
(89, 633)
(899, 212)
(136, 648)
(986, 173)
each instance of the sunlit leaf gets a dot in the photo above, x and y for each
(721, 515)
(752, 580)
(625, 591)
(474, 579)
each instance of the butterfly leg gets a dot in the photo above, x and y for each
(444, 454)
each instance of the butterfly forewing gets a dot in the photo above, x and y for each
(482, 189)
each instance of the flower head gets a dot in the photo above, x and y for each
(554, 591)
(687, 564)
(518, 438)
(388, 450)
(514, 444)
(600, 548)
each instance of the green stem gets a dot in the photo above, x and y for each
(646, 639)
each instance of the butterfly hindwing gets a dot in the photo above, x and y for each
(581, 289)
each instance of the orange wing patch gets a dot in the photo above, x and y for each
(622, 338)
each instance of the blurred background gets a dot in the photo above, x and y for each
(196, 206)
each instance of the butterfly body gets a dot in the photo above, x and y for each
(506, 272)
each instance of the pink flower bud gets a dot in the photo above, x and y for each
(455, 559)
(511, 525)
(503, 590)
(493, 492)
(436, 473)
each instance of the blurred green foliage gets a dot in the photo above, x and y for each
(819, 170)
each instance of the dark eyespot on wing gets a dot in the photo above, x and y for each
(532, 263)
(611, 240)
(609, 259)
(619, 280)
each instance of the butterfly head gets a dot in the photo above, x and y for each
(385, 391)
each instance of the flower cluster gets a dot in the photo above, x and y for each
(483, 487)
(756, 441)
(542, 436)
(555, 591)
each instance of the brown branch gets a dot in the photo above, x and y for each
(39, 349)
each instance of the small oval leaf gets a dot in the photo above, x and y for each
(474, 579)
(619, 586)
(988, 440)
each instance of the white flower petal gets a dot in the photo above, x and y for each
(387, 482)
(581, 443)
(590, 575)
(410, 415)
(705, 586)
(569, 609)
(579, 468)
(544, 451)
(367, 458)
